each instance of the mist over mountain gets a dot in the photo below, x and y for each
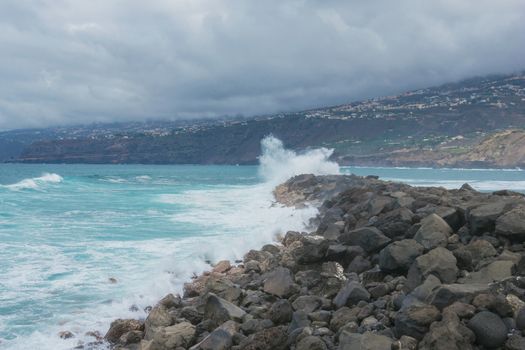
(436, 126)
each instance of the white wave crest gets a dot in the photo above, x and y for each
(278, 164)
(35, 182)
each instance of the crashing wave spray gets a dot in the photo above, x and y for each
(278, 164)
(33, 183)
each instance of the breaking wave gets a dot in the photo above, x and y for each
(278, 164)
(35, 182)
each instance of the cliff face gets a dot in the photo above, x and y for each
(500, 150)
(388, 266)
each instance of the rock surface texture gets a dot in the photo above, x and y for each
(385, 266)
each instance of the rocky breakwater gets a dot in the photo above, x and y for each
(388, 266)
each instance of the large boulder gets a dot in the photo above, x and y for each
(180, 335)
(350, 294)
(312, 250)
(120, 327)
(482, 218)
(414, 321)
(489, 329)
(365, 341)
(219, 310)
(448, 334)
(368, 238)
(219, 339)
(158, 317)
(279, 282)
(439, 262)
(512, 224)
(434, 232)
(395, 223)
(398, 256)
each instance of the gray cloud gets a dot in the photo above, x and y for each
(67, 61)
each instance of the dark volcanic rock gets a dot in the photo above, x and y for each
(399, 255)
(512, 224)
(434, 232)
(351, 294)
(414, 321)
(489, 329)
(448, 334)
(120, 327)
(220, 310)
(368, 238)
(439, 262)
(366, 341)
(279, 282)
(482, 218)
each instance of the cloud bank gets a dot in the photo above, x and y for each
(69, 61)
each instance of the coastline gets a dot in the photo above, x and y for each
(389, 266)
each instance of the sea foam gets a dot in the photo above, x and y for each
(35, 182)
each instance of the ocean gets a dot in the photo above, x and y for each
(82, 245)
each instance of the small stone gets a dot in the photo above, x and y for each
(350, 294)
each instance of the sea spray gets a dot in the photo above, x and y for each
(35, 182)
(278, 164)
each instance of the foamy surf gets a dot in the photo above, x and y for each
(220, 221)
(35, 182)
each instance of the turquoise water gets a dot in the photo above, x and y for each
(66, 230)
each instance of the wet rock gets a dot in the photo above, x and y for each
(220, 310)
(158, 317)
(279, 282)
(366, 341)
(121, 326)
(439, 262)
(290, 237)
(351, 294)
(405, 343)
(368, 238)
(68, 334)
(398, 256)
(179, 335)
(489, 329)
(448, 334)
(171, 301)
(434, 232)
(132, 337)
(281, 312)
(512, 224)
(219, 339)
(222, 266)
(414, 321)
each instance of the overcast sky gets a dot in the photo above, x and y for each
(72, 61)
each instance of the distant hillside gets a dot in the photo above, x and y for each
(451, 119)
(504, 149)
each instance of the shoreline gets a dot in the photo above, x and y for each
(365, 276)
